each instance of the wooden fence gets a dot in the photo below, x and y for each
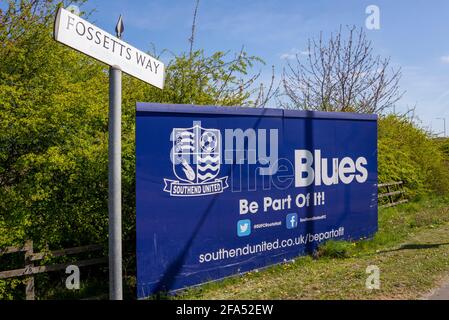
(394, 195)
(30, 269)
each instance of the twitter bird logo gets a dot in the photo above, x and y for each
(244, 228)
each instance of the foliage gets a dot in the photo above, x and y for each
(407, 153)
(444, 146)
(54, 113)
(52, 135)
(9, 289)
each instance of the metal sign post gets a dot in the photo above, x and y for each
(115, 184)
(115, 178)
(79, 34)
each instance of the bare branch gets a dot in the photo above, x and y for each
(192, 37)
(341, 74)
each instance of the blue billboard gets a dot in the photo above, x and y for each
(225, 190)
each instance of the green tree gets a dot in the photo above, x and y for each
(53, 140)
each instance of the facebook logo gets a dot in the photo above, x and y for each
(291, 221)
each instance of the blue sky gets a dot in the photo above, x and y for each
(412, 33)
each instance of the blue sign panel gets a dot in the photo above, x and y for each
(222, 191)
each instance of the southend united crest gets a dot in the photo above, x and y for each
(196, 158)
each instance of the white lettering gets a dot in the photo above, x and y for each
(312, 168)
(303, 164)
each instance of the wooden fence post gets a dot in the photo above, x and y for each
(29, 264)
(390, 198)
(401, 187)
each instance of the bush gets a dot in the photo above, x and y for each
(407, 153)
(53, 127)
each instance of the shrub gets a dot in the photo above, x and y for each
(407, 153)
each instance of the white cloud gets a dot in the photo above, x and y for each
(445, 59)
(293, 53)
(287, 56)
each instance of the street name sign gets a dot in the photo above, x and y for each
(83, 36)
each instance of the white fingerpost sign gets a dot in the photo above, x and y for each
(83, 36)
